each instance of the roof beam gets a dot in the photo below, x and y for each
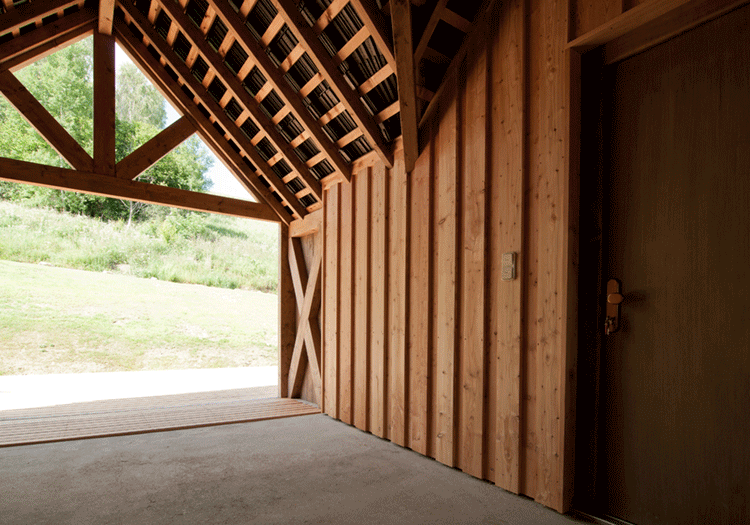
(234, 85)
(285, 91)
(44, 123)
(155, 149)
(45, 34)
(91, 183)
(211, 137)
(35, 53)
(31, 12)
(407, 94)
(106, 16)
(214, 108)
(325, 65)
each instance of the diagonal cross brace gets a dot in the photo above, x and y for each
(307, 290)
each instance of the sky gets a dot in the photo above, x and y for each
(224, 183)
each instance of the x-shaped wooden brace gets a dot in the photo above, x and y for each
(307, 291)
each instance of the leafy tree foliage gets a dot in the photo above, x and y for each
(63, 83)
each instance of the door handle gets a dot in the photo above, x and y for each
(614, 300)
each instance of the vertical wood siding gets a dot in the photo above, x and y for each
(425, 345)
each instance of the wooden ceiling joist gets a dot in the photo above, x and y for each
(306, 36)
(44, 123)
(235, 89)
(201, 95)
(30, 13)
(155, 149)
(94, 184)
(274, 77)
(154, 70)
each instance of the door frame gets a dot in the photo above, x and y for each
(636, 30)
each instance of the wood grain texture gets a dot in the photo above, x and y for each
(362, 299)
(587, 15)
(287, 312)
(346, 305)
(331, 227)
(447, 237)
(507, 174)
(95, 184)
(379, 301)
(398, 315)
(418, 349)
(546, 378)
(472, 263)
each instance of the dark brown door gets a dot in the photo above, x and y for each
(675, 383)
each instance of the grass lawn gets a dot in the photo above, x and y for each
(59, 320)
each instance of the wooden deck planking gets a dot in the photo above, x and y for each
(141, 415)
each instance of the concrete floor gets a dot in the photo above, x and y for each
(308, 469)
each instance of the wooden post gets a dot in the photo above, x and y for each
(104, 104)
(287, 312)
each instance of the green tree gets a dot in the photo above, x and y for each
(63, 83)
(136, 100)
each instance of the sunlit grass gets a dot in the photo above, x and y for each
(203, 249)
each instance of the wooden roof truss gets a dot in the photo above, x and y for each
(290, 96)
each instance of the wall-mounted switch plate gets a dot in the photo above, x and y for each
(509, 266)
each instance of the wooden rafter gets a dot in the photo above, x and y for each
(234, 86)
(307, 291)
(92, 183)
(401, 18)
(152, 151)
(210, 136)
(44, 123)
(21, 60)
(202, 95)
(106, 16)
(104, 104)
(327, 67)
(285, 91)
(32, 12)
(45, 34)
(379, 28)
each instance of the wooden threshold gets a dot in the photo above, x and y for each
(122, 417)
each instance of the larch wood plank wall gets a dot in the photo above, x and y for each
(426, 345)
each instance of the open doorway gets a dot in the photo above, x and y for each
(112, 288)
